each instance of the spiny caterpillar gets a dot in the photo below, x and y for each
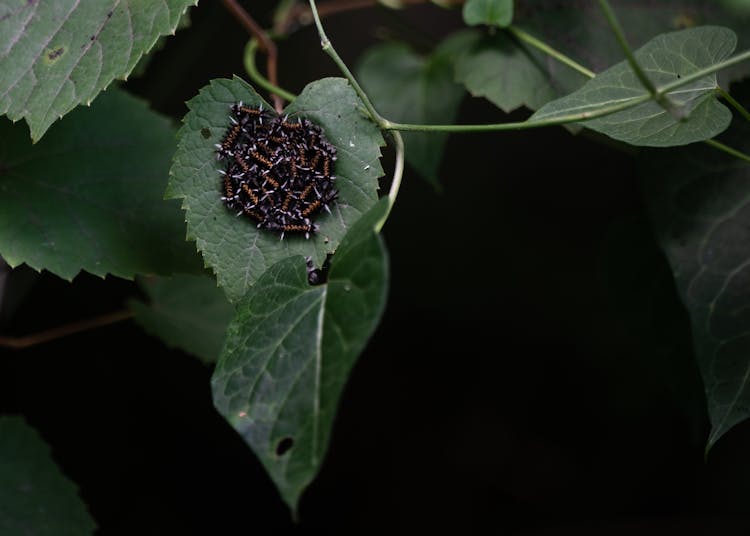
(277, 172)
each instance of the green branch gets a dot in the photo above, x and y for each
(327, 47)
(736, 105)
(663, 100)
(729, 150)
(259, 79)
(545, 48)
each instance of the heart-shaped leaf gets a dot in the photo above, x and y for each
(700, 202)
(35, 498)
(57, 55)
(289, 351)
(89, 196)
(236, 250)
(664, 59)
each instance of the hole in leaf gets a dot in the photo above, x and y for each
(205, 133)
(283, 446)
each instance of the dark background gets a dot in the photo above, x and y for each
(533, 373)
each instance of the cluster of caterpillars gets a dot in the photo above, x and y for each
(278, 172)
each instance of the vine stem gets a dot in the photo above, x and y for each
(544, 47)
(255, 76)
(663, 100)
(327, 47)
(267, 44)
(736, 105)
(658, 94)
(27, 341)
(729, 150)
(398, 172)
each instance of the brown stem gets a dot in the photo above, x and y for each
(266, 45)
(301, 15)
(62, 331)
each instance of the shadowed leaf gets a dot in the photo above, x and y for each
(89, 196)
(409, 88)
(185, 311)
(700, 203)
(35, 497)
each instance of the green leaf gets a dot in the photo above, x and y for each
(233, 247)
(495, 67)
(289, 352)
(185, 311)
(579, 30)
(700, 205)
(89, 196)
(664, 59)
(57, 55)
(409, 88)
(35, 498)
(141, 67)
(490, 12)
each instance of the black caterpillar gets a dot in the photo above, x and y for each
(278, 172)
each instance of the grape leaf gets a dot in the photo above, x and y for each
(490, 12)
(57, 55)
(410, 88)
(89, 196)
(289, 351)
(35, 498)
(664, 59)
(185, 311)
(236, 250)
(700, 205)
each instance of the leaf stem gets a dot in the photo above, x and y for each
(729, 150)
(736, 105)
(663, 100)
(521, 125)
(255, 76)
(398, 172)
(544, 47)
(584, 116)
(40, 337)
(327, 47)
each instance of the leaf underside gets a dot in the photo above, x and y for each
(664, 59)
(235, 249)
(700, 205)
(57, 55)
(290, 349)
